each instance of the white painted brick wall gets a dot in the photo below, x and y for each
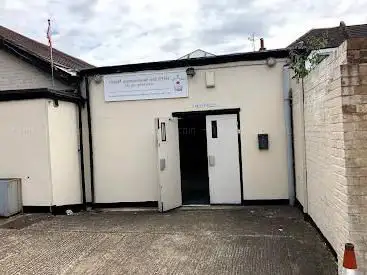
(299, 144)
(17, 74)
(335, 121)
(327, 195)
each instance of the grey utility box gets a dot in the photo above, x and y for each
(10, 197)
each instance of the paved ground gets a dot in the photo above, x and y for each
(249, 240)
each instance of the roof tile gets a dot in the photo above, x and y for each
(42, 51)
(334, 36)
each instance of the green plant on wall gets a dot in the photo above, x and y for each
(306, 56)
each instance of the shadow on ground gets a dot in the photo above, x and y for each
(248, 240)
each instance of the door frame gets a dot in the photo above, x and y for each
(232, 111)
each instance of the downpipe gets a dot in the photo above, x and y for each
(287, 103)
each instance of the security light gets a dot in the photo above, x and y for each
(190, 71)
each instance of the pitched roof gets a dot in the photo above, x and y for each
(334, 37)
(42, 51)
(197, 53)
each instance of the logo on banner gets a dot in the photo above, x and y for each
(178, 86)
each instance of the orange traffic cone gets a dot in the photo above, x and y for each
(349, 261)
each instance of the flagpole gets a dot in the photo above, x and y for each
(52, 60)
(52, 68)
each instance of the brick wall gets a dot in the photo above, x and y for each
(326, 181)
(354, 105)
(335, 146)
(17, 74)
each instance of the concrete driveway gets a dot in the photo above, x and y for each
(246, 240)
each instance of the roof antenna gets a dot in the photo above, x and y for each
(252, 39)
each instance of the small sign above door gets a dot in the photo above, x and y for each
(146, 85)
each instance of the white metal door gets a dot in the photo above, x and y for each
(223, 158)
(168, 164)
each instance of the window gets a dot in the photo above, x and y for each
(214, 129)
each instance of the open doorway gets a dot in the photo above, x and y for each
(193, 159)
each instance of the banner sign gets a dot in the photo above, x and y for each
(146, 85)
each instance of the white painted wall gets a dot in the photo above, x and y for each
(125, 161)
(24, 149)
(64, 154)
(35, 136)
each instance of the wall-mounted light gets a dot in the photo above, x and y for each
(271, 62)
(190, 72)
(98, 78)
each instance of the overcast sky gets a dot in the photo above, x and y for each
(107, 32)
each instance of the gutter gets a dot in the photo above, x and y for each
(289, 134)
(179, 63)
(23, 94)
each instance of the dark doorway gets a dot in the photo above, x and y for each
(193, 159)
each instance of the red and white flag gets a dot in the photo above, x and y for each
(49, 33)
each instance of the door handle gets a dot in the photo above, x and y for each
(162, 164)
(211, 161)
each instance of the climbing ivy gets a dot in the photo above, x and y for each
(306, 56)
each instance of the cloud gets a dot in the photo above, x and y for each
(106, 32)
(82, 8)
(225, 21)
